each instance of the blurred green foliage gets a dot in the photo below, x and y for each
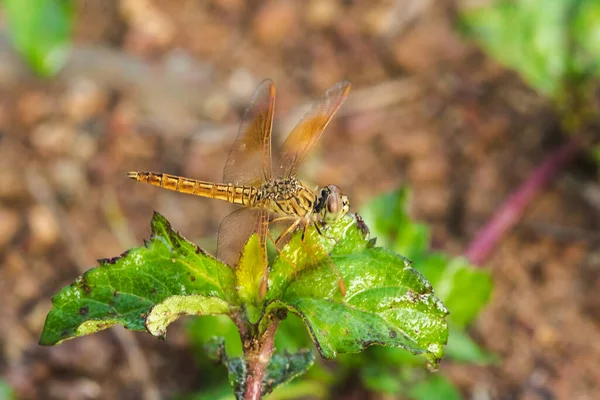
(6, 392)
(554, 46)
(435, 387)
(550, 43)
(40, 30)
(462, 287)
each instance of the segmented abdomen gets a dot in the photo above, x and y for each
(243, 195)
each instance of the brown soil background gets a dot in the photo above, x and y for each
(159, 85)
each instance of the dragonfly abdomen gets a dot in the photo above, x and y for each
(243, 195)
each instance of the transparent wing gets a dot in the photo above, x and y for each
(308, 131)
(236, 229)
(249, 160)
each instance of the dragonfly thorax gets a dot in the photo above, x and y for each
(287, 197)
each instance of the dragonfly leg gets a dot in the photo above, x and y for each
(316, 259)
(316, 224)
(284, 218)
(289, 230)
(283, 255)
(310, 252)
(304, 228)
(318, 229)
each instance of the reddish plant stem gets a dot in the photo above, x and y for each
(241, 324)
(511, 211)
(257, 355)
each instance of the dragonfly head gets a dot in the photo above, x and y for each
(332, 204)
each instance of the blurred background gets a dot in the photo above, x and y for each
(461, 113)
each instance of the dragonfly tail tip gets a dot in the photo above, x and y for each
(132, 175)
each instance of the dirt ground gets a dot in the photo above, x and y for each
(159, 85)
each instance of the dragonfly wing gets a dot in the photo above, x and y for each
(308, 131)
(236, 229)
(249, 160)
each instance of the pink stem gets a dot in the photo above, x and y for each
(511, 211)
(257, 355)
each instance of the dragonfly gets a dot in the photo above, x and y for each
(268, 189)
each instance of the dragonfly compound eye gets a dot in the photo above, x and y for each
(336, 204)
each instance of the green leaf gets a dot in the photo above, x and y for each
(435, 387)
(41, 31)
(249, 274)
(282, 368)
(463, 288)
(170, 309)
(387, 302)
(285, 366)
(145, 288)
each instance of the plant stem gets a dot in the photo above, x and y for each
(512, 210)
(257, 355)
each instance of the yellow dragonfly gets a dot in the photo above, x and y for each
(269, 191)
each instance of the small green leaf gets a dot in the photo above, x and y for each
(282, 368)
(387, 302)
(249, 274)
(41, 31)
(285, 366)
(146, 288)
(215, 349)
(169, 310)
(236, 368)
(435, 387)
